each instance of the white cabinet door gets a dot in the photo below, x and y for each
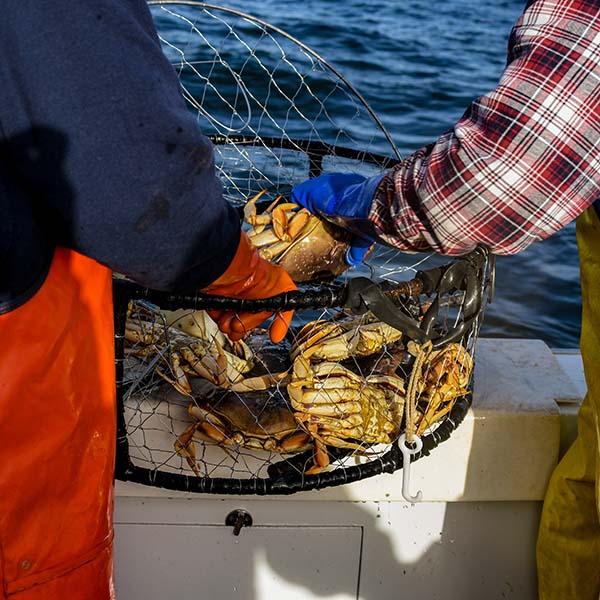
(185, 562)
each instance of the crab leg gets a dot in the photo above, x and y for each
(264, 238)
(205, 366)
(320, 454)
(430, 418)
(250, 215)
(295, 442)
(142, 332)
(179, 380)
(274, 250)
(184, 446)
(288, 223)
(260, 382)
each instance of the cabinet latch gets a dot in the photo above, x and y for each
(237, 519)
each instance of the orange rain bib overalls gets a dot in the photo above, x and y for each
(57, 437)
(568, 550)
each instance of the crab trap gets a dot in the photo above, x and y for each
(377, 367)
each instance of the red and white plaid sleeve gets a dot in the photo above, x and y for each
(523, 161)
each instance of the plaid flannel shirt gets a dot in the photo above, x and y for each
(523, 161)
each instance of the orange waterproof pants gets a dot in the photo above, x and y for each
(57, 437)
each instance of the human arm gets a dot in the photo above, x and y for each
(97, 134)
(521, 163)
(96, 138)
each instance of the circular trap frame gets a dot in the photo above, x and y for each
(383, 350)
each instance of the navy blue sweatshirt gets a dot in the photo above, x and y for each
(98, 152)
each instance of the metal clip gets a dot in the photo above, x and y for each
(407, 451)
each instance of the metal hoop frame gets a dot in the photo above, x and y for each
(284, 477)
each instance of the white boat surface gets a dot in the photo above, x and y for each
(471, 537)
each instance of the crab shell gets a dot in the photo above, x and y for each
(349, 337)
(319, 252)
(341, 409)
(258, 421)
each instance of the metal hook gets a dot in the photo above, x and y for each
(407, 451)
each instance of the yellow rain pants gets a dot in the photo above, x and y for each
(568, 548)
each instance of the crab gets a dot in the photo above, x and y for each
(258, 421)
(189, 344)
(306, 246)
(339, 408)
(445, 379)
(337, 340)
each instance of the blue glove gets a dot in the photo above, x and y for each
(345, 199)
(358, 249)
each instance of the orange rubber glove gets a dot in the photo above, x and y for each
(251, 277)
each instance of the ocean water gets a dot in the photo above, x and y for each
(418, 64)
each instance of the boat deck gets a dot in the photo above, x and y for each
(472, 536)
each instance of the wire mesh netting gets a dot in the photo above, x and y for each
(268, 97)
(373, 354)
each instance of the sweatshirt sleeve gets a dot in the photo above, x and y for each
(96, 131)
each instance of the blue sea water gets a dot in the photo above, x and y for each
(418, 64)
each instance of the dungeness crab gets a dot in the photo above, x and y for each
(339, 408)
(445, 379)
(256, 420)
(335, 402)
(307, 247)
(188, 344)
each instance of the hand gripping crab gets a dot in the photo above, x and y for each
(307, 247)
(258, 421)
(336, 405)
